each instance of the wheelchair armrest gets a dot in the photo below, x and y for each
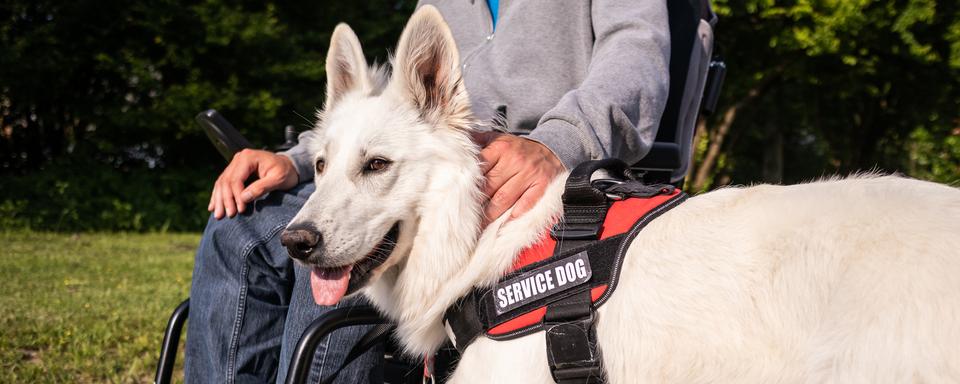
(663, 156)
(222, 134)
(333, 320)
(171, 339)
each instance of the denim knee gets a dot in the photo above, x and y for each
(241, 287)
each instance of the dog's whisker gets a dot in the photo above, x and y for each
(309, 124)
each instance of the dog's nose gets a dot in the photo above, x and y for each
(300, 243)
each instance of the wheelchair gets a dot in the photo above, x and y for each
(696, 77)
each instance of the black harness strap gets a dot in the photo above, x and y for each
(572, 341)
(463, 321)
(569, 323)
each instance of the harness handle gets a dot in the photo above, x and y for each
(580, 192)
(584, 206)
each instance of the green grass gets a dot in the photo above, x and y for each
(88, 308)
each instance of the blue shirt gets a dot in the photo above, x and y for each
(494, 6)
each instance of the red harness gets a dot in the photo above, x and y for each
(620, 218)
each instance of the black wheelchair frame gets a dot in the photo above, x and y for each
(696, 74)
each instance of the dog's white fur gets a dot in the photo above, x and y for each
(839, 281)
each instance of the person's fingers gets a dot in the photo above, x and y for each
(220, 207)
(218, 202)
(213, 195)
(235, 184)
(497, 177)
(527, 200)
(489, 157)
(505, 197)
(478, 137)
(236, 188)
(226, 198)
(243, 166)
(483, 138)
(260, 187)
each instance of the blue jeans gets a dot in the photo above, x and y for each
(249, 304)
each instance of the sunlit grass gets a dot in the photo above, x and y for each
(88, 308)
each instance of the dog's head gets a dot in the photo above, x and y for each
(382, 151)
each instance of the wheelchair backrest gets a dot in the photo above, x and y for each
(691, 49)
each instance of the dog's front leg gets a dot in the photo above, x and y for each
(522, 360)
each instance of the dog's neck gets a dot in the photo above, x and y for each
(450, 255)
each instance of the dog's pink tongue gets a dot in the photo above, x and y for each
(329, 285)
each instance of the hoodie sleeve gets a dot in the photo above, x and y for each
(301, 157)
(616, 110)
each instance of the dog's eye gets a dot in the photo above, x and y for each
(320, 165)
(376, 165)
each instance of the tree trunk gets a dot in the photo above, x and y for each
(717, 135)
(705, 168)
(699, 134)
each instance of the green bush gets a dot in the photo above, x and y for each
(87, 196)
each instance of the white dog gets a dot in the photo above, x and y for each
(840, 281)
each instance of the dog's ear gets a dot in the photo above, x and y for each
(428, 68)
(346, 66)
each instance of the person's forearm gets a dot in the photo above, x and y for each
(615, 112)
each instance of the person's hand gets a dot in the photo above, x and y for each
(273, 171)
(517, 172)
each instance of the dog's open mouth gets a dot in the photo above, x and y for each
(329, 285)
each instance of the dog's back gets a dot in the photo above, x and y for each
(841, 281)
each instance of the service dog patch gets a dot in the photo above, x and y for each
(547, 280)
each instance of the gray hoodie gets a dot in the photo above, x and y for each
(588, 79)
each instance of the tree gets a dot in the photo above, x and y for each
(122, 80)
(833, 86)
(97, 98)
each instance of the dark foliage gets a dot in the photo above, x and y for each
(97, 99)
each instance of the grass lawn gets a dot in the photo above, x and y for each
(88, 308)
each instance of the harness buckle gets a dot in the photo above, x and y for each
(604, 184)
(576, 231)
(580, 223)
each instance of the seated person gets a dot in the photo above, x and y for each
(573, 81)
